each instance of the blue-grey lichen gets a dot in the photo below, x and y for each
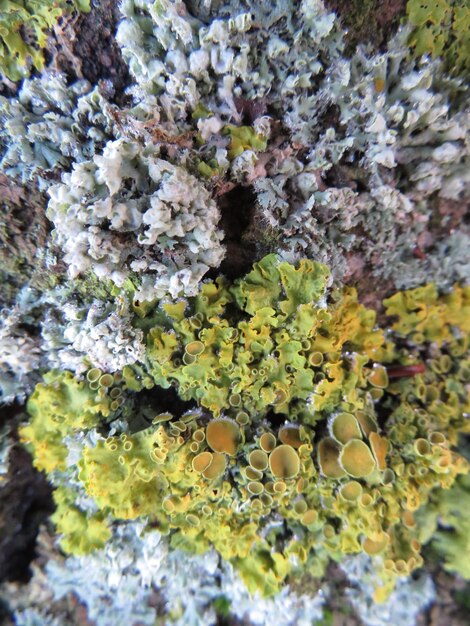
(393, 132)
(247, 51)
(49, 126)
(99, 334)
(406, 602)
(20, 356)
(117, 585)
(447, 526)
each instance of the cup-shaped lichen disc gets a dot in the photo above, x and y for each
(367, 422)
(357, 459)
(194, 348)
(376, 545)
(279, 486)
(315, 359)
(437, 438)
(388, 476)
(290, 435)
(242, 418)
(351, 491)
(94, 374)
(267, 441)
(193, 520)
(223, 435)
(379, 447)
(258, 460)
(300, 507)
(162, 417)
(255, 488)
(217, 466)
(345, 427)
(378, 377)
(253, 474)
(309, 517)
(281, 396)
(202, 461)
(328, 458)
(106, 380)
(284, 462)
(422, 447)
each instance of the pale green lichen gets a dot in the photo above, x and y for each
(49, 126)
(446, 525)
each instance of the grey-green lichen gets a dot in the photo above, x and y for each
(49, 126)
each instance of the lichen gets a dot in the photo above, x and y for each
(265, 423)
(24, 26)
(49, 126)
(130, 197)
(220, 475)
(441, 28)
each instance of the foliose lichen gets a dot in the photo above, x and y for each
(51, 125)
(24, 26)
(441, 28)
(268, 422)
(290, 387)
(129, 196)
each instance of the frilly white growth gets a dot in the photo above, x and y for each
(20, 357)
(250, 51)
(102, 336)
(399, 114)
(287, 608)
(395, 136)
(117, 584)
(50, 125)
(409, 598)
(128, 214)
(330, 224)
(385, 120)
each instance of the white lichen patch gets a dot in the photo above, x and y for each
(127, 214)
